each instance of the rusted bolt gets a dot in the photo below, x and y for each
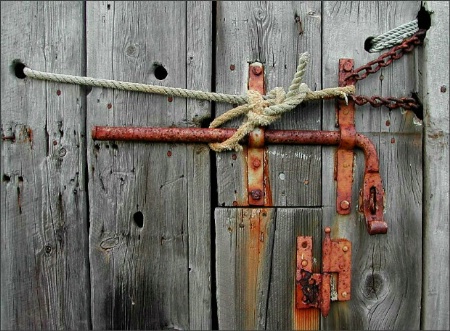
(232, 67)
(169, 153)
(55, 143)
(327, 229)
(388, 123)
(443, 89)
(345, 248)
(256, 194)
(344, 294)
(234, 156)
(392, 140)
(304, 263)
(235, 203)
(345, 204)
(58, 92)
(170, 99)
(109, 106)
(347, 66)
(256, 163)
(257, 70)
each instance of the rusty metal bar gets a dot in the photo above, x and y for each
(258, 187)
(207, 135)
(371, 195)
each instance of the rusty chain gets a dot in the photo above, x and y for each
(382, 61)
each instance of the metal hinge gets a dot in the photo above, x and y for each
(318, 289)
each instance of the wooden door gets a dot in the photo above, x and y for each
(134, 235)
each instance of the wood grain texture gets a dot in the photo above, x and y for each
(256, 267)
(435, 76)
(144, 198)
(44, 236)
(268, 32)
(386, 276)
(244, 245)
(281, 312)
(199, 68)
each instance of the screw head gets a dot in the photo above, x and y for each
(345, 204)
(256, 163)
(344, 294)
(348, 66)
(257, 70)
(345, 248)
(256, 194)
(304, 263)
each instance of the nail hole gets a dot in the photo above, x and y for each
(108, 6)
(6, 178)
(304, 244)
(159, 71)
(18, 67)
(423, 19)
(20, 179)
(138, 218)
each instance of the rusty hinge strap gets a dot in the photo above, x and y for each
(314, 289)
(257, 182)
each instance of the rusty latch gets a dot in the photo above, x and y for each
(371, 200)
(315, 289)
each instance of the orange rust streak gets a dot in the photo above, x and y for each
(255, 252)
(306, 319)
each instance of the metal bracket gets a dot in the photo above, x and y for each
(257, 182)
(371, 201)
(345, 110)
(315, 289)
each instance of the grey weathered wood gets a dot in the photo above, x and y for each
(199, 68)
(434, 69)
(140, 275)
(386, 276)
(268, 32)
(244, 245)
(256, 280)
(44, 233)
(281, 311)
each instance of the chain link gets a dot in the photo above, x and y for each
(382, 61)
(387, 58)
(389, 102)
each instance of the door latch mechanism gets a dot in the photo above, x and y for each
(334, 283)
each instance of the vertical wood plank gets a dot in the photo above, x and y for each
(434, 69)
(281, 312)
(140, 192)
(244, 244)
(269, 32)
(45, 271)
(199, 69)
(386, 276)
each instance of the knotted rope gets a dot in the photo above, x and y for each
(263, 112)
(259, 110)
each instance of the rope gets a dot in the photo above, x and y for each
(393, 37)
(259, 110)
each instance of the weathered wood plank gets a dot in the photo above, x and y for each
(269, 32)
(386, 276)
(199, 68)
(281, 312)
(435, 64)
(45, 273)
(244, 244)
(140, 193)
